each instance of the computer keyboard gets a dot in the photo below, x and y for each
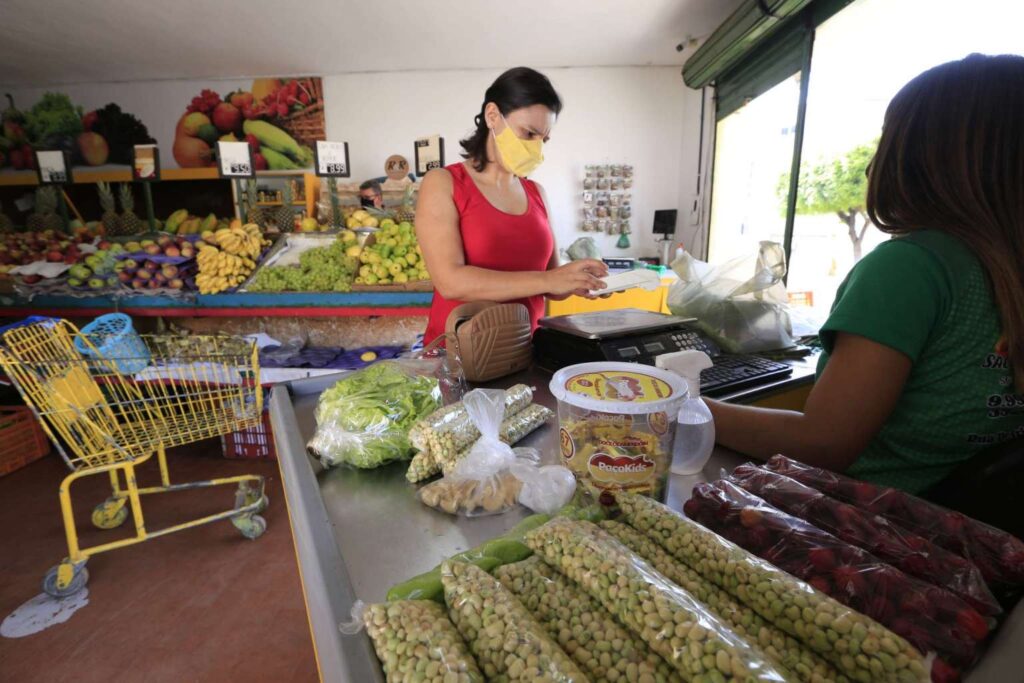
(733, 372)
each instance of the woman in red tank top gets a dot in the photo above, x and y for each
(482, 226)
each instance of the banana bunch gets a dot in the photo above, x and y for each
(242, 240)
(228, 256)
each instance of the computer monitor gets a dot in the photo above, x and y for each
(665, 222)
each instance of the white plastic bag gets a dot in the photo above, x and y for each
(493, 477)
(741, 303)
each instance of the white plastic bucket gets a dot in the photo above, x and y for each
(617, 423)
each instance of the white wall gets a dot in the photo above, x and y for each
(611, 115)
(644, 116)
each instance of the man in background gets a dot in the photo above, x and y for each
(370, 195)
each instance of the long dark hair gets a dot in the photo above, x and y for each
(516, 88)
(951, 158)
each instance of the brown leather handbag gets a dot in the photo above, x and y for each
(494, 339)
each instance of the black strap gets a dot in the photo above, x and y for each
(763, 6)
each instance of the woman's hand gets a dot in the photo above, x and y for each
(579, 278)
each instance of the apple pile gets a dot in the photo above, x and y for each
(999, 555)
(23, 248)
(165, 263)
(912, 554)
(930, 618)
(98, 270)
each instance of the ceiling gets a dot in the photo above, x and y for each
(70, 41)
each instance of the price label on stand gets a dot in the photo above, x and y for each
(146, 163)
(234, 160)
(53, 166)
(331, 159)
(429, 154)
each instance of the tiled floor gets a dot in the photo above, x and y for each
(200, 605)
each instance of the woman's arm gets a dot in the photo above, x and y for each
(553, 262)
(850, 402)
(437, 229)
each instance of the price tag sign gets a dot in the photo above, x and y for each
(429, 154)
(332, 159)
(53, 166)
(146, 163)
(234, 160)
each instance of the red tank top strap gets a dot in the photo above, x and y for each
(533, 192)
(460, 191)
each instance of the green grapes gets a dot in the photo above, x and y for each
(323, 269)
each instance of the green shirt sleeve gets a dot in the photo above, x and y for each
(896, 296)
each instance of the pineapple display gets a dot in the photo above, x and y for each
(407, 211)
(111, 221)
(337, 218)
(130, 223)
(284, 215)
(254, 213)
(43, 216)
(6, 224)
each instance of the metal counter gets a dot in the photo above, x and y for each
(357, 533)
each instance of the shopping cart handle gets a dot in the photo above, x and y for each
(31, 320)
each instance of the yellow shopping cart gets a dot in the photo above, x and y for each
(110, 399)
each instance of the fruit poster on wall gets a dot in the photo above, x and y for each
(281, 119)
(99, 124)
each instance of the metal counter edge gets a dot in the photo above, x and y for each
(326, 585)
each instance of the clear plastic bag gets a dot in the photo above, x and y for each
(913, 554)
(581, 626)
(493, 476)
(450, 427)
(782, 649)
(583, 248)
(415, 640)
(930, 618)
(364, 419)
(441, 456)
(672, 623)
(451, 378)
(508, 643)
(999, 555)
(789, 603)
(741, 303)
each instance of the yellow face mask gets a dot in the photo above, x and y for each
(518, 156)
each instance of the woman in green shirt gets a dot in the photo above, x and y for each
(924, 348)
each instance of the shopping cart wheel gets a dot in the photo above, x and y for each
(79, 576)
(251, 526)
(111, 513)
(247, 494)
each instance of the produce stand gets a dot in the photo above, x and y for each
(243, 304)
(357, 533)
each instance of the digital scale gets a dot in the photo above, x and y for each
(630, 335)
(627, 335)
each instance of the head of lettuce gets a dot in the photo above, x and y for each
(364, 419)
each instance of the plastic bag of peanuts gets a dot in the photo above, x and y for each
(493, 477)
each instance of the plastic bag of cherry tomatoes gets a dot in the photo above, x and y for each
(930, 618)
(999, 555)
(905, 550)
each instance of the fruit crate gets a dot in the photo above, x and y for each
(255, 442)
(22, 440)
(417, 286)
(287, 248)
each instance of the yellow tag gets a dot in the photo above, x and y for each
(616, 385)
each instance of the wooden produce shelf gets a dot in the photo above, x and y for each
(238, 305)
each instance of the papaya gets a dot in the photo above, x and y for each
(175, 220)
(209, 223)
(261, 87)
